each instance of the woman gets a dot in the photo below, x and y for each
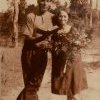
(66, 57)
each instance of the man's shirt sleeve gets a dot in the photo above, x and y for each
(29, 25)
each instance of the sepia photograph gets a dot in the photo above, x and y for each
(49, 49)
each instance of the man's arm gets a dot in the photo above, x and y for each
(43, 37)
(48, 32)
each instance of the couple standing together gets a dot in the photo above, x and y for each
(65, 47)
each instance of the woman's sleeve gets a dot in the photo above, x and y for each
(81, 38)
(74, 34)
(74, 31)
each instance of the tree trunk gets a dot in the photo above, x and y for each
(91, 13)
(16, 12)
(86, 20)
(97, 10)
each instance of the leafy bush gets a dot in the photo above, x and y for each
(7, 23)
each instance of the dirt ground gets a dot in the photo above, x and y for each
(12, 81)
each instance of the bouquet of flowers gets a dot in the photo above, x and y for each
(74, 38)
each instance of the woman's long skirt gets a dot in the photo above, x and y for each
(75, 74)
(34, 62)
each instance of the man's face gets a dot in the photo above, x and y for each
(44, 5)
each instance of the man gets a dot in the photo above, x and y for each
(34, 53)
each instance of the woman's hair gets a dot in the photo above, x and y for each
(55, 19)
(61, 9)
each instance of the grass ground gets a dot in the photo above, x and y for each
(12, 80)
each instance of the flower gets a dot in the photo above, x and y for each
(73, 38)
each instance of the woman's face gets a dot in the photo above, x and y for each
(44, 5)
(63, 18)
